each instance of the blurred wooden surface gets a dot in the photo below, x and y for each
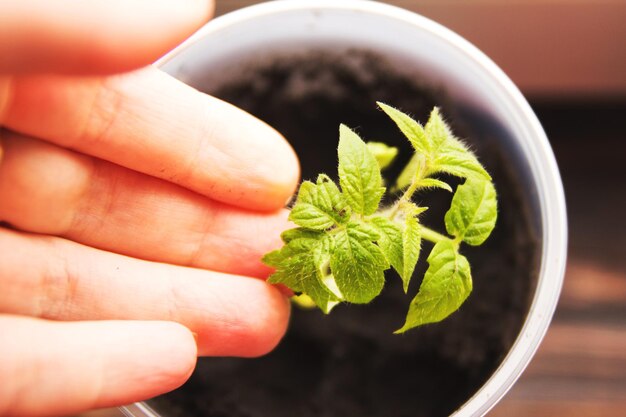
(580, 368)
(545, 46)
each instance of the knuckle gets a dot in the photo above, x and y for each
(100, 119)
(59, 286)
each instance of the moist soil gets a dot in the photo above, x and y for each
(349, 364)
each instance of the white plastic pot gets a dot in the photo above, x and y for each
(444, 58)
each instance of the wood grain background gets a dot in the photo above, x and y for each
(580, 368)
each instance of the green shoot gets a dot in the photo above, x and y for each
(345, 239)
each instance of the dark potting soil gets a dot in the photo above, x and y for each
(349, 364)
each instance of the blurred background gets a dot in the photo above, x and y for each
(549, 48)
(569, 59)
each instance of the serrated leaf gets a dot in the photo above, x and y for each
(473, 212)
(411, 244)
(321, 259)
(359, 173)
(449, 154)
(390, 241)
(300, 266)
(358, 264)
(273, 258)
(383, 153)
(459, 161)
(320, 206)
(300, 233)
(296, 246)
(435, 183)
(445, 287)
(304, 301)
(413, 131)
(437, 130)
(408, 173)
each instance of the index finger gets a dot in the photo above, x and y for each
(94, 36)
(152, 123)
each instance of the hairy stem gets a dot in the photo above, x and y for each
(420, 174)
(431, 235)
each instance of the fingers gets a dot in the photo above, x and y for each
(149, 122)
(95, 36)
(79, 366)
(50, 190)
(56, 279)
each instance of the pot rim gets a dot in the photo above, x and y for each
(540, 157)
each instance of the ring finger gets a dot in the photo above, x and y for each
(52, 278)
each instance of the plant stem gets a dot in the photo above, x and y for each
(431, 235)
(420, 174)
(415, 184)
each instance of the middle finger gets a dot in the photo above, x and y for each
(51, 190)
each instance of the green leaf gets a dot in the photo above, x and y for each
(473, 212)
(301, 265)
(449, 154)
(411, 243)
(303, 301)
(413, 131)
(300, 233)
(320, 206)
(301, 242)
(434, 183)
(407, 175)
(456, 159)
(286, 260)
(342, 246)
(446, 285)
(383, 153)
(390, 241)
(437, 131)
(359, 174)
(357, 264)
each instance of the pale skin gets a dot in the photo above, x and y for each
(135, 209)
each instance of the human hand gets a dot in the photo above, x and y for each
(132, 203)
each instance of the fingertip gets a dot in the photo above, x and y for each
(285, 174)
(95, 37)
(280, 169)
(177, 350)
(101, 364)
(251, 326)
(165, 24)
(259, 168)
(166, 356)
(269, 328)
(137, 43)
